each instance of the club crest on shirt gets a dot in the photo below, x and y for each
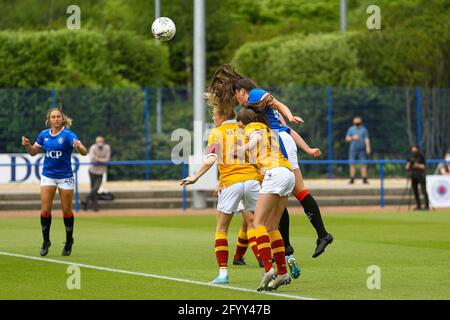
(276, 114)
(60, 140)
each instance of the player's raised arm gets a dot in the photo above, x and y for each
(313, 152)
(285, 111)
(32, 149)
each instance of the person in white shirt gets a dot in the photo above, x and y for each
(444, 167)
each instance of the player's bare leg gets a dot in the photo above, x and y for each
(277, 245)
(47, 195)
(242, 242)
(264, 207)
(221, 246)
(312, 211)
(66, 206)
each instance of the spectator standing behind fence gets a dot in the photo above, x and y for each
(99, 155)
(358, 137)
(444, 168)
(416, 167)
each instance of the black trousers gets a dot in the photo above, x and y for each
(96, 182)
(415, 181)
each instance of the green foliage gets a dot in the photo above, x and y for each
(80, 59)
(140, 61)
(319, 59)
(395, 58)
(279, 43)
(411, 49)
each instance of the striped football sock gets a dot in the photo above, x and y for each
(252, 241)
(278, 251)
(263, 241)
(221, 249)
(242, 244)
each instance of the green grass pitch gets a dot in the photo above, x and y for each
(411, 249)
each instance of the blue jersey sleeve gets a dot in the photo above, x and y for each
(40, 138)
(72, 137)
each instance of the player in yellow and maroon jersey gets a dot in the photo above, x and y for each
(239, 181)
(278, 183)
(233, 88)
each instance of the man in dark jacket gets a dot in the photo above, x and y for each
(416, 167)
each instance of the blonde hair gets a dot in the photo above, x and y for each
(218, 107)
(67, 121)
(221, 87)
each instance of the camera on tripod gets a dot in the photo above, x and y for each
(413, 161)
(416, 175)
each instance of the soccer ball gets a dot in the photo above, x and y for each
(163, 29)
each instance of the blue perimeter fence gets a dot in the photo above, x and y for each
(138, 122)
(184, 170)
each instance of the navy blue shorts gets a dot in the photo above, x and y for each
(357, 155)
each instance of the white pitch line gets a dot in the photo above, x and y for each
(153, 276)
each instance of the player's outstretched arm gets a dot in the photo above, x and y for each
(32, 149)
(285, 111)
(206, 165)
(313, 152)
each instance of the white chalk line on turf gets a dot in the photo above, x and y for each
(154, 276)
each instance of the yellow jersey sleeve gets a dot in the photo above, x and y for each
(231, 169)
(254, 127)
(268, 154)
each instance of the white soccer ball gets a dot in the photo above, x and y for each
(163, 29)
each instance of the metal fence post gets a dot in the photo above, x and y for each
(147, 133)
(184, 173)
(419, 116)
(330, 132)
(77, 195)
(382, 184)
(158, 110)
(53, 97)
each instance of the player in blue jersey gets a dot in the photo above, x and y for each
(57, 143)
(233, 89)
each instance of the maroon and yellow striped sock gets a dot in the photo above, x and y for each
(242, 245)
(251, 233)
(278, 251)
(221, 249)
(263, 241)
